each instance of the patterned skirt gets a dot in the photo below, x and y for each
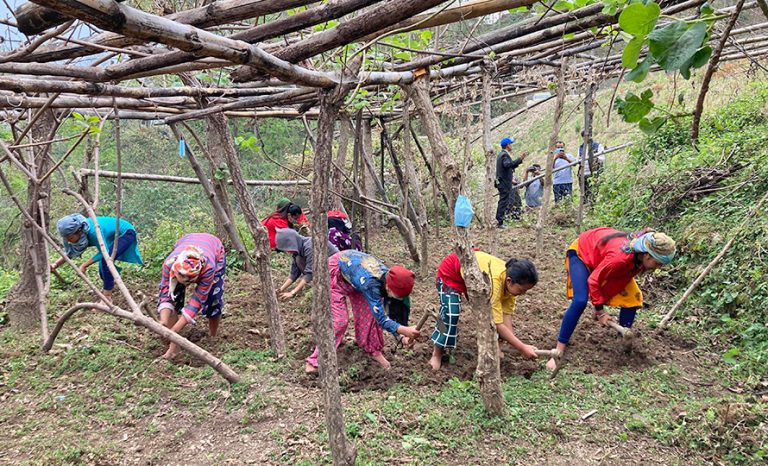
(447, 325)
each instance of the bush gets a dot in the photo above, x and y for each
(700, 196)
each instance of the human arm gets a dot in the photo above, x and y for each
(86, 264)
(164, 300)
(200, 296)
(57, 264)
(300, 284)
(376, 303)
(285, 285)
(505, 332)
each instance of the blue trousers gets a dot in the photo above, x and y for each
(579, 275)
(123, 243)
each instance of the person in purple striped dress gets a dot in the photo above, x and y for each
(197, 258)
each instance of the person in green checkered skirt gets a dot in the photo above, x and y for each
(508, 281)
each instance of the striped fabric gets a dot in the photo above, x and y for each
(213, 251)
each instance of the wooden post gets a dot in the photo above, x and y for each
(586, 154)
(490, 164)
(228, 225)
(259, 233)
(26, 300)
(478, 290)
(561, 91)
(414, 183)
(713, 61)
(342, 451)
(345, 129)
(402, 178)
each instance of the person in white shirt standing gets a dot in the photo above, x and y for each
(562, 180)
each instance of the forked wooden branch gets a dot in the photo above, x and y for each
(150, 324)
(136, 317)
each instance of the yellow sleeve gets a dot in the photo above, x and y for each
(496, 307)
(509, 305)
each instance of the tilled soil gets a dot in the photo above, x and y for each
(593, 349)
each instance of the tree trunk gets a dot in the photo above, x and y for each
(342, 450)
(490, 165)
(586, 154)
(478, 289)
(259, 233)
(345, 129)
(561, 91)
(368, 174)
(27, 298)
(217, 130)
(414, 183)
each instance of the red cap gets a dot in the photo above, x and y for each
(400, 281)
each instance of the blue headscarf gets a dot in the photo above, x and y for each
(70, 225)
(660, 246)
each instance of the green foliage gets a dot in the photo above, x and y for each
(633, 108)
(678, 46)
(654, 188)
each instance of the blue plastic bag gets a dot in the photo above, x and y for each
(463, 212)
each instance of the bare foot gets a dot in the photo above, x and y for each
(382, 361)
(436, 363)
(309, 368)
(169, 355)
(551, 364)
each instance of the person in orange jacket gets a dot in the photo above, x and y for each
(601, 264)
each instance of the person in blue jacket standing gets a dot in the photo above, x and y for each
(79, 234)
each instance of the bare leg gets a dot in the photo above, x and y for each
(168, 317)
(213, 326)
(378, 357)
(437, 358)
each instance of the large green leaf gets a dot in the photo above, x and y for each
(650, 127)
(672, 51)
(660, 40)
(641, 71)
(638, 19)
(631, 53)
(633, 108)
(699, 59)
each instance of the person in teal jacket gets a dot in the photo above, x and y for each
(79, 233)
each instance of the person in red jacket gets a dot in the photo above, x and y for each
(287, 215)
(601, 264)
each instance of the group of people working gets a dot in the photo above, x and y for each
(510, 203)
(601, 265)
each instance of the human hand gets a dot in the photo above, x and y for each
(523, 155)
(409, 332)
(53, 267)
(529, 352)
(551, 364)
(602, 317)
(286, 296)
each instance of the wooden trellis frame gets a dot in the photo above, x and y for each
(284, 68)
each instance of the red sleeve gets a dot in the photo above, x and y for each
(610, 277)
(303, 219)
(269, 224)
(165, 295)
